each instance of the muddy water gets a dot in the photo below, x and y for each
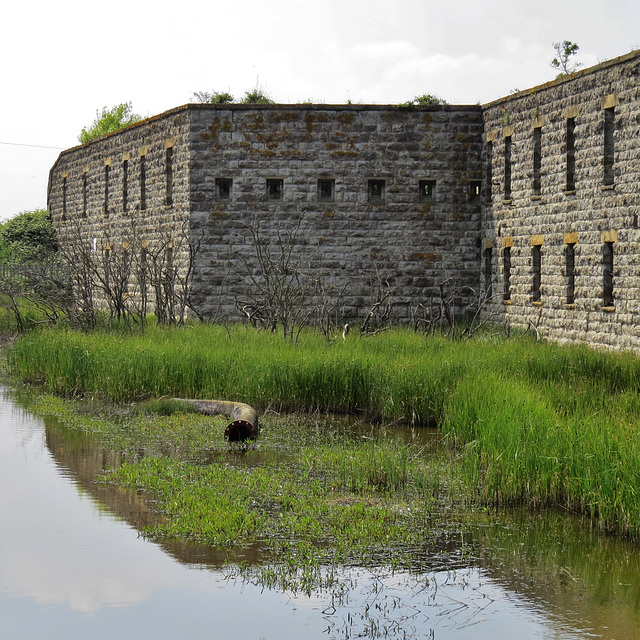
(72, 565)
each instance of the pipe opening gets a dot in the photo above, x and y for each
(245, 419)
(239, 433)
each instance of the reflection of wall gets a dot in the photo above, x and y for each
(83, 458)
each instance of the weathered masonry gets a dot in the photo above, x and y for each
(532, 199)
(364, 196)
(561, 238)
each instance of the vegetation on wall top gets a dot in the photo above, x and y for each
(109, 120)
(564, 52)
(255, 95)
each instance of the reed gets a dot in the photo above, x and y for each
(394, 377)
(534, 423)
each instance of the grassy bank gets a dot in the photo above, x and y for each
(533, 423)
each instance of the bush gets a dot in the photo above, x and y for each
(28, 237)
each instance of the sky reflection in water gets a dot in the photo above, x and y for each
(70, 569)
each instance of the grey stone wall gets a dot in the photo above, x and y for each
(574, 199)
(348, 241)
(594, 211)
(78, 181)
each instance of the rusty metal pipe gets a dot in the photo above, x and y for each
(244, 425)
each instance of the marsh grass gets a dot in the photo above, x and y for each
(533, 423)
(315, 496)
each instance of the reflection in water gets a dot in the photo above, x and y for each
(579, 577)
(73, 566)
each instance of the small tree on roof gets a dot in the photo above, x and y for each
(564, 52)
(109, 120)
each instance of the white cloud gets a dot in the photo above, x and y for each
(397, 49)
(435, 65)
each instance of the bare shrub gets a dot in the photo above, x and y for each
(281, 287)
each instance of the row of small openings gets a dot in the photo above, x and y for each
(536, 273)
(125, 182)
(570, 157)
(376, 188)
(326, 189)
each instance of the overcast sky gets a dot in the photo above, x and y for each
(63, 60)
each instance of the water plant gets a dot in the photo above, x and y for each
(533, 423)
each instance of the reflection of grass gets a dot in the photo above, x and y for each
(323, 503)
(370, 503)
(534, 423)
(295, 500)
(313, 500)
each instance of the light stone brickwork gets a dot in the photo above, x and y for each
(559, 167)
(587, 215)
(77, 186)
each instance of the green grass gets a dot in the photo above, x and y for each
(313, 496)
(534, 423)
(380, 377)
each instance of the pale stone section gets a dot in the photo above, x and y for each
(86, 220)
(588, 217)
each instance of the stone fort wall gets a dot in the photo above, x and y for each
(111, 195)
(532, 199)
(360, 194)
(369, 192)
(561, 239)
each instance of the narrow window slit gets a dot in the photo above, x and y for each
(507, 168)
(609, 149)
(168, 168)
(607, 274)
(570, 271)
(537, 273)
(488, 272)
(537, 160)
(506, 259)
(571, 154)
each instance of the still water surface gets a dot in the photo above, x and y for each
(72, 566)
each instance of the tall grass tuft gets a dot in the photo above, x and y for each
(535, 423)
